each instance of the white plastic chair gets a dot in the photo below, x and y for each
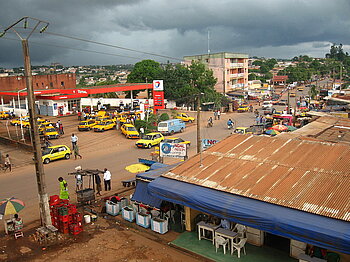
(241, 231)
(238, 246)
(220, 241)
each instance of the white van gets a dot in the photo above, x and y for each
(267, 104)
(171, 126)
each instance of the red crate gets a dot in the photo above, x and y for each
(54, 199)
(64, 218)
(70, 219)
(77, 217)
(72, 209)
(64, 230)
(65, 201)
(75, 229)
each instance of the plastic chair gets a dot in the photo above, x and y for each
(241, 231)
(238, 246)
(220, 241)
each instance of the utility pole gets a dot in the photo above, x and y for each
(39, 169)
(199, 142)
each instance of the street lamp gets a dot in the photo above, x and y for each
(40, 175)
(19, 108)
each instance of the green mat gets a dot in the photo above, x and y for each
(205, 248)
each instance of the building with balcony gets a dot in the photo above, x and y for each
(230, 69)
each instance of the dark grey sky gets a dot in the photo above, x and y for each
(270, 28)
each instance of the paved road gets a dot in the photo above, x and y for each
(109, 149)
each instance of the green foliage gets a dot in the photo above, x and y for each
(313, 92)
(336, 52)
(163, 117)
(147, 126)
(265, 67)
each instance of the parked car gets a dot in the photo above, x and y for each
(282, 102)
(129, 131)
(269, 111)
(149, 140)
(50, 132)
(86, 125)
(176, 140)
(5, 115)
(267, 104)
(55, 152)
(104, 125)
(185, 117)
(17, 122)
(243, 108)
(171, 126)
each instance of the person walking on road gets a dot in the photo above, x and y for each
(76, 152)
(219, 114)
(107, 179)
(74, 140)
(63, 188)
(98, 184)
(7, 163)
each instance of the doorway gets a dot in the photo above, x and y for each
(277, 242)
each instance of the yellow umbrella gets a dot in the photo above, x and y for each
(137, 168)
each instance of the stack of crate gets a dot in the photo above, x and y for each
(64, 216)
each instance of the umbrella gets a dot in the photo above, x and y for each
(291, 128)
(10, 206)
(137, 168)
(272, 132)
(279, 128)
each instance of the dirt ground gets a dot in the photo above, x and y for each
(108, 239)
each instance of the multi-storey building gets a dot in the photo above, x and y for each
(230, 69)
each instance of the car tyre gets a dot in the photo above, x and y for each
(149, 146)
(182, 130)
(172, 132)
(67, 156)
(190, 121)
(46, 160)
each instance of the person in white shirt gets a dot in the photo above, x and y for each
(74, 140)
(107, 179)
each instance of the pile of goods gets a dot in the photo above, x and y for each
(64, 216)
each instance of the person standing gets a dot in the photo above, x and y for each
(76, 152)
(142, 132)
(98, 184)
(79, 115)
(215, 114)
(219, 113)
(79, 182)
(74, 140)
(7, 163)
(63, 188)
(107, 179)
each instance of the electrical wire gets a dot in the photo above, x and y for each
(110, 45)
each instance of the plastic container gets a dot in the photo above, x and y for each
(159, 225)
(93, 218)
(87, 219)
(112, 208)
(128, 214)
(143, 220)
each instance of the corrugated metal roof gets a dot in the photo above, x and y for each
(305, 175)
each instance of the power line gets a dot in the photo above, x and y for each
(77, 49)
(110, 45)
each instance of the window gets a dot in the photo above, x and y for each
(62, 83)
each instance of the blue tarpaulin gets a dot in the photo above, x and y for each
(142, 196)
(317, 230)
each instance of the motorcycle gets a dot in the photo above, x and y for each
(230, 126)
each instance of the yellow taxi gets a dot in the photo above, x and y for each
(185, 117)
(45, 125)
(55, 152)
(300, 88)
(149, 140)
(243, 108)
(177, 140)
(104, 125)
(17, 122)
(50, 132)
(87, 125)
(4, 115)
(292, 95)
(129, 131)
(243, 130)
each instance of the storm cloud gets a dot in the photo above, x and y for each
(271, 28)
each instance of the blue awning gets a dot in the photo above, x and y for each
(142, 196)
(318, 230)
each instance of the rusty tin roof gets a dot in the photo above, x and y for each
(305, 175)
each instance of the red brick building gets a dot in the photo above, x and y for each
(279, 80)
(15, 83)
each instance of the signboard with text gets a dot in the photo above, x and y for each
(206, 143)
(158, 85)
(176, 150)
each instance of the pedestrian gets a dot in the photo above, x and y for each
(63, 188)
(79, 182)
(7, 163)
(107, 179)
(142, 132)
(84, 115)
(98, 184)
(215, 114)
(76, 152)
(59, 125)
(219, 113)
(74, 140)
(79, 115)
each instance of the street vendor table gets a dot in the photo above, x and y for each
(225, 233)
(202, 226)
